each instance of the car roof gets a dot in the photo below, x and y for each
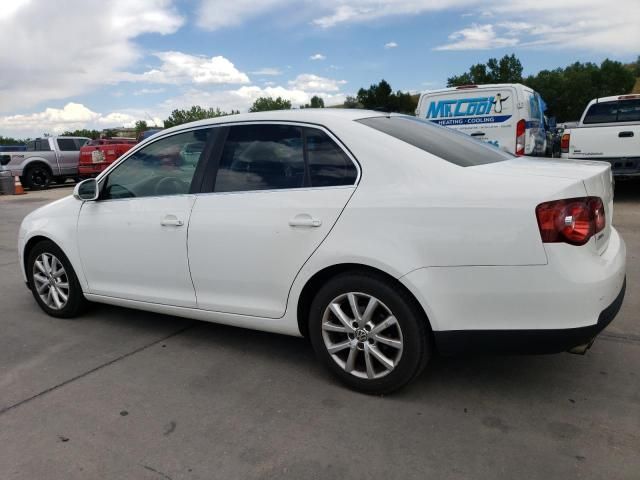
(322, 116)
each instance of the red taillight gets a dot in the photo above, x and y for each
(521, 129)
(564, 143)
(573, 220)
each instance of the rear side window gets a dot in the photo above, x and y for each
(629, 111)
(328, 164)
(67, 145)
(604, 112)
(40, 145)
(261, 157)
(443, 142)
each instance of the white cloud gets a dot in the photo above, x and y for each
(216, 14)
(56, 120)
(313, 83)
(267, 71)
(477, 37)
(317, 56)
(55, 53)
(390, 45)
(179, 68)
(148, 91)
(577, 24)
(243, 97)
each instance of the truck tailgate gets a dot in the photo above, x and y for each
(605, 142)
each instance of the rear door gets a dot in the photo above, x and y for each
(276, 194)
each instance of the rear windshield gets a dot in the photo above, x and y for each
(446, 143)
(608, 112)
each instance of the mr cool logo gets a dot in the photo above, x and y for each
(474, 110)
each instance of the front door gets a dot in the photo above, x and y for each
(133, 240)
(278, 191)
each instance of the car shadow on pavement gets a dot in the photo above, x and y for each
(232, 350)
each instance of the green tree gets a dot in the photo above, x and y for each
(377, 96)
(351, 102)
(196, 112)
(141, 126)
(316, 102)
(506, 70)
(83, 132)
(10, 141)
(567, 91)
(381, 97)
(265, 104)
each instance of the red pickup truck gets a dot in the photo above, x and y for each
(97, 155)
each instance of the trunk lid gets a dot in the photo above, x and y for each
(595, 176)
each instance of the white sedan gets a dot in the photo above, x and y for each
(382, 238)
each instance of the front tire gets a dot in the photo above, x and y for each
(53, 281)
(369, 333)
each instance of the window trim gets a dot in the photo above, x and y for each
(209, 185)
(615, 123)
(211, 163)
(198, 175)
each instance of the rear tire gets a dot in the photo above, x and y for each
(53, 281)
(388, 328)
(37, 177)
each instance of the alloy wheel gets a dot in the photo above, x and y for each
(51, 281)
(362, 335)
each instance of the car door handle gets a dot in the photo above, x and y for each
(171, 221)
(625, 134)
(304, 220)
(477, 134)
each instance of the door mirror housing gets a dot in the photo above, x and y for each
(87, 190)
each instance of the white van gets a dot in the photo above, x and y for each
(507, 115)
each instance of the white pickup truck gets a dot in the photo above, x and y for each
(45, 160)
(609, 130)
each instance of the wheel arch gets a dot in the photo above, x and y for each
(36, 161)
(37, 238)
(28, 246)
(315, 282)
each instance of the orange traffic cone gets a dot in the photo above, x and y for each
(18, 189)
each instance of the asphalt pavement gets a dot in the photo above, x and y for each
(123, 394)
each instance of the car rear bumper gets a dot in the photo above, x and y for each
(526, 341)
(529, 308)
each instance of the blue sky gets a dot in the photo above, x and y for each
(108, 63)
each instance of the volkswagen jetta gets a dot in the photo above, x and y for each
(381, 237)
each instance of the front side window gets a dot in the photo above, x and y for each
(261, 157)
(67, 145)
(164, 167)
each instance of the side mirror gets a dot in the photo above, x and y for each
(87, 190)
